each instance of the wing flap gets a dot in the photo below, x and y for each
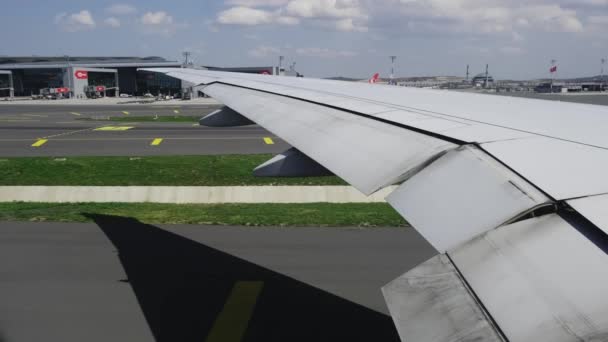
(461, 195)
(432, 303)
(540, 279)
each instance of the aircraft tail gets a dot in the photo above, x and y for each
(374, 78)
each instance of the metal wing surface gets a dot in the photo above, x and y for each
(512, 193)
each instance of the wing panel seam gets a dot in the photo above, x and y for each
(478, 301)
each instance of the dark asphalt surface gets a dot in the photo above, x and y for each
(121, 280)
(69, 135)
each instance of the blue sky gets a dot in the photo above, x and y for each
(325, 37)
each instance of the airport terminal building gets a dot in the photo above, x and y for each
(28, 76)
(115, 74)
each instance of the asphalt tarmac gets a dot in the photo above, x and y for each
(65, 131)
(57, 131)
(595, 99)
(122, 280)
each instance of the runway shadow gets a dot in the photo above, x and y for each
(183, 287)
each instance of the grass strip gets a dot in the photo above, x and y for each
(224, 170)
(315, 214)
(146, 118)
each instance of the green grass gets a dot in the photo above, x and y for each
(227, 170)
(147, 118)
(316, 214)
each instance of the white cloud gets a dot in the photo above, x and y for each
(251, 16)
(112, 22)
(74, 22)
(156, 18)
(285, 20)
(264, 51)
(160, 23)
(324, 52)
(509, 18)
(245, 16)
(325, 9)
(257, 3)
(121, 9)
(341, 15)
(348, 25)
(494, 16)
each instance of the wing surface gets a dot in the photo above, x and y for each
(510, 191)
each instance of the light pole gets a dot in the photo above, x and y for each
(393, 58)
(487, 76)
(281, 59)
(186, 55)
(602, 80)
(553, 61)
(68, 74)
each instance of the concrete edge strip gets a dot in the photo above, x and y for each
(189, 195)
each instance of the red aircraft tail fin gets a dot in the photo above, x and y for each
(374, 78)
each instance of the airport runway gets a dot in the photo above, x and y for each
(121, 280)
(58, 131)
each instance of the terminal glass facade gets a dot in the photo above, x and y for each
(28, 82)
(4, 85)
(105, 79)
(156, 83)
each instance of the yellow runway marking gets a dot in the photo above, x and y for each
(126, 113)
(231, 324)
(113, 128)
(176, 111)
(74, 113)
(268, 141)
(39, 143)
(156, 142)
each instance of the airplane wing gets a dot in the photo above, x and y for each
(512, 192)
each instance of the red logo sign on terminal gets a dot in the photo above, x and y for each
(81, 74)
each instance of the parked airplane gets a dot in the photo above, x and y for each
(510, 191)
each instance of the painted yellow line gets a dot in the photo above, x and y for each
(74, 113)
(268, 141)
(113, 128)
(232, 322)
(176, 111)
(126, 113)
(39, 142)
(156, 142)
